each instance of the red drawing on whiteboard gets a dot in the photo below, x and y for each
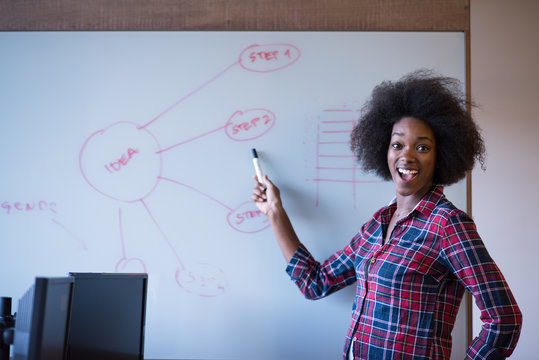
(28, 206)
(111, 166)
(271, 57)
(77, 239)
(335, 163)
(202, 279)
(247, 219)
(38, 207)
(126, 264)
(124, 162)
(290, 54)
(250, 124)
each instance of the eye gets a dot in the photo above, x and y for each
(396, 146)
(423, 148)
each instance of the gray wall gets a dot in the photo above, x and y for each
(505, 78)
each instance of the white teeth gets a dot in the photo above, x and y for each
(408, 172)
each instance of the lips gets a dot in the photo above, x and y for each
(407, 174)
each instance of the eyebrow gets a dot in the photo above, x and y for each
(418, 138)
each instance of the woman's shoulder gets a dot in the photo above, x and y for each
(453, 220)
(437, 206)
(447, 208)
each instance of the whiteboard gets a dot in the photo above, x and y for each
(130, 152)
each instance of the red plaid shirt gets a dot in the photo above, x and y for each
(409, 289)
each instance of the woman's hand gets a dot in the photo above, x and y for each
(268, 200)
(266, 196)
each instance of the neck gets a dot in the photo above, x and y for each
(405, 203)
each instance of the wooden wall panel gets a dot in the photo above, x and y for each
(236, 15)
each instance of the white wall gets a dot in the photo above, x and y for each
(505, 83)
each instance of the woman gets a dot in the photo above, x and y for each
(414, 258)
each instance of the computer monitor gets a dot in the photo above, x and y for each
(42, 320)
(108, 316)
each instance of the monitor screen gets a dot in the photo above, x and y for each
(107, 316)
(42, 320)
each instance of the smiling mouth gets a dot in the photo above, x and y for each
(407, 174)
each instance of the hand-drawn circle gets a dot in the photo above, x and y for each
(131, 265)
(247, 218)
(268, 57)
(202, 279)
(121, 162)
(249, 124)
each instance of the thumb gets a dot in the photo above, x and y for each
(271, 189)
(267, 181)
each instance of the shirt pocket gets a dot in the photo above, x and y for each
(410, 264)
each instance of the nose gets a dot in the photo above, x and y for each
(407, 154)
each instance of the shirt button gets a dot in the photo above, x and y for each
(373, 260)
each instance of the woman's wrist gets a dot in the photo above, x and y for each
(275, 210)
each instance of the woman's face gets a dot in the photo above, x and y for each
(411, 157)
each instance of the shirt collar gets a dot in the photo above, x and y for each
(430, 200)
(427, 204)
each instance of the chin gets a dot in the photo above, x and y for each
(403, 188)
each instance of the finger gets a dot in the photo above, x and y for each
(267, 181)
(258, 197)
(257, 191)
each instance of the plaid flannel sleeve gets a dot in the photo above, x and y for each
(317, 280)
(470, 262)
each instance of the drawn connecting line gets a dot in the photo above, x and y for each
(42, 207)
(124, 162)
(335, 162)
